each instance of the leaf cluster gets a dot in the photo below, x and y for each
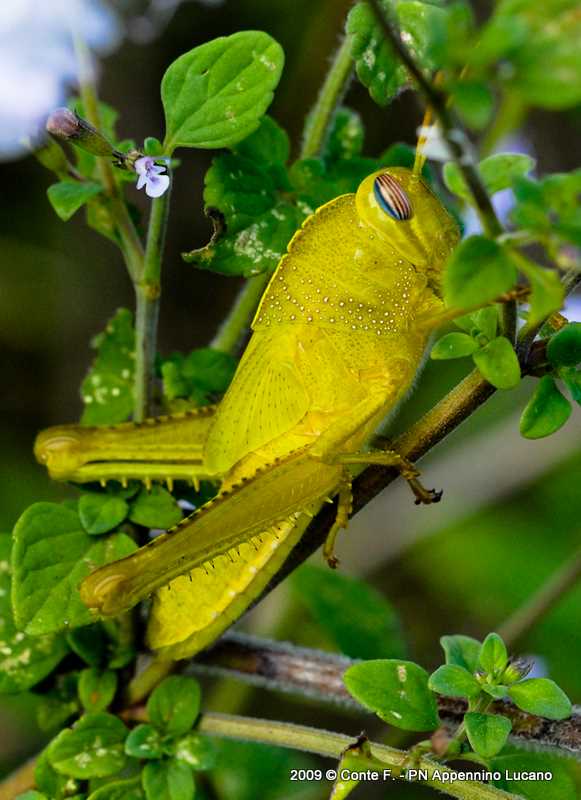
(403, 694)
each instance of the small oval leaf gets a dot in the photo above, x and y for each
(546, 412)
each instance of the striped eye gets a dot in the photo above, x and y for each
(392, 198)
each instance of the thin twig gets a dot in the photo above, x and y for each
(319, 118)
(547, 596)
(283, 667)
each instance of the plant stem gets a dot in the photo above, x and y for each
(232, 329)
(545, 598)
(131, 245)
(147, 294)
(457, 141)
(18, 781)
(332, 90)
(141, 686)
(332, 745)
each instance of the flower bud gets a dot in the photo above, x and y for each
(66, 125)
(518, 668)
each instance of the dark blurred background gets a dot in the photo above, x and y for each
(510, 508)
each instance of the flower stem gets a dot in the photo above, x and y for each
(228, 337)
(131, 245)
(332, 90)
(147, 294)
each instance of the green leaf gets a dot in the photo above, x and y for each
(572, 380)
(100, 513)
(48, 780)
(547, 291)
(478, 272)
(155, 508)
(497, 690)
(119, 790)
(174, 705)
(486, 321)
(32, 794)
(90, 643)
(92, 748)
(66, 197)
(493, 657)
(498, 363)
(196, 750)
(455, 681)
(475, 102)
(269, 144)
(498, 172)
(107, 391)
(51, 556)
(376, 65)
(453, 345)
(57, 705)
(214, 95)
(356, 616)
(144, 741)
(513, 769)
(541, 696)
(461, 650)
(152, 146)
(397, 691)
(487, 733)
(546, 412)
(545, 70)
(564, 348)
(168, 780)
(24, 660)
(97, 689)
(201, 376)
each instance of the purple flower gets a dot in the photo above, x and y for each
(150, 176)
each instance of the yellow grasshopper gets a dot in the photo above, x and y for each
(337, 340)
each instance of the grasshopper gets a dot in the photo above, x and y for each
(338, 337)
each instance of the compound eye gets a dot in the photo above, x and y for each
(392, 198)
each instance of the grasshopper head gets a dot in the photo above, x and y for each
(403, 210)
(60, 450)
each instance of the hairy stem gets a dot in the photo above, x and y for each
(332, 745)
(147, 294)
(317, 675)
(332, 90)
(456, 139)
(236, 323)
(130, 243)
(547, 596)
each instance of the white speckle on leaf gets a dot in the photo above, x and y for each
(368, 57)
(402, 673)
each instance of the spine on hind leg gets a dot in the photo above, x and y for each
(195, 609)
